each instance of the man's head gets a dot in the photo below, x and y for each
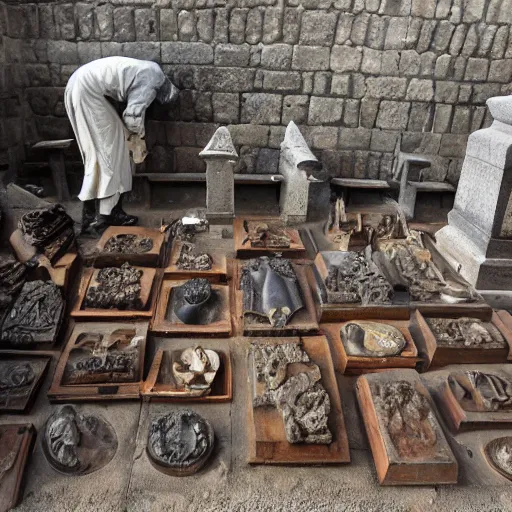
(167, 92)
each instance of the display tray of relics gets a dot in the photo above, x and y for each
(182, 371)
(407, 442)
(259, 236)
(133, 244)
(21, 377)
(195, 307)
(461, 340)
(476, 396)
(498, 453)
(33, 321)
(117, 292)
(101, 361)
(272, 298)
(295, 414)
(362, 346)
(16, 442)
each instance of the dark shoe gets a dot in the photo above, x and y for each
(88, 215)
(118, 217)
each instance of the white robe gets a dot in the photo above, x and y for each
(100, 132)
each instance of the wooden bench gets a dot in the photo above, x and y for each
(200, 177)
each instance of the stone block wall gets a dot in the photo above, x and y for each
(361, 78)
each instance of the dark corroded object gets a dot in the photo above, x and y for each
(50, 230)
(499, 455)
(128, 244)
(481, 392)
(465, 332)
(195, 370)
(266, 234)
(271, 290)
(356, 279)
(77, 444)
(372, 339)
(299, 395)
(107, 359)
(35, 316)
(180, 442)
(118, 288)
(12, 277)
(408, 418)
(195, 303)
(189, 260)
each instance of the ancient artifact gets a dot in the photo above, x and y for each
(355, 278)
(372, 339)
(196, 369)
(465, 332)
(117, 288)
(266, 234)
(499, 455)
(35, 317)
(50, 230)
(77, 444)
(478, 391)
(270, 290)
(299, 395)
(128, 243)
(16, 442)
(180, 443)
(12, 277)
(189, 260)
(195, 302)
(20, 378)
(220, 156)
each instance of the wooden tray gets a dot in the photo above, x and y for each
(436, 356)
(296, 249)
(23, 404)
(162, 325)
(461, 420)
(303, 322)
(356, 365)
(267, 438)
(392, 468)
(62, 392)
(217, 274)
(149, 283)
(151, 258)
(161, 387)
(17, 438)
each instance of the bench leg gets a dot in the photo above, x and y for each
(56, 161)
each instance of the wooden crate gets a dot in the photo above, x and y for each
(267, 438)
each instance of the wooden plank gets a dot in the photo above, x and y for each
(360, 183)
(200, 177)
(432, 186)
(53, 144)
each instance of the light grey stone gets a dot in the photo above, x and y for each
(396, 34)
(146, 25)
(410, 62)
(420, 117)
(317, 28)
(261, 108)
(282, 81)
(446, 92)
(231, 55)
(500, 71)
(443, 9)
(205, 25)
(267, 161)
(88, 52)
(457, 42)
(384, 141)
(486, 40)
(477, 70)
(187, 26)
(272, 23)
(420, 90)
(145, 50)
(372, 5)
(473, 11)
(291, 25)
(471, 42)
(224, 79)
(237, 21)
(307, 82)
(459, 67)
(376, 33)
(413, 33)
(249, 134)
(226, 107)
(124, 24)
(186, 53)
(442, 36)
(461, 120)
(323, 137)
(85, 20)
(369, 111)
(358, 138)
(325, 111)
(62, 52)
(254, 26)
(221, 28)
(453, 145)
(111, 49)
(393, 115)
(359, 29)
(344, 27)
(427, 64)
(505, 12)
(443, 67)
(386, 87)
(340, 85)
(346, 58)
(311, 58)
(322, 83)
(65, 20)
(168, 25)
(482, 92)
(390, 62)
(423, 8)
(501, 109)
(351, 113)
(500, 43)
(277, 56)
(295, 108)
(104, 23)
(427, 30)
(372, 61)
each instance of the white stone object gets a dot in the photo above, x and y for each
(220, 156)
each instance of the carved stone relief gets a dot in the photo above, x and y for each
(270, 290)
(196, 370)
(128, 244)
(180, 442)
(499, 455)
(266, 234)
(35, 316)
(78, 444)
(372, 339)
(292, 384)
(195, 302)
(12, 278)
(189, 260)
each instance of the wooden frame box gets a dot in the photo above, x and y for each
(39, 364)
(16, 445)
(393, 468)
(458, 418)
(505, 326)
(161, 324)
(436, 355)
(218, 272)
(267, 438)
(160, 386)
(60, 391)
(244, 250)
(356, 365)
(151, 258)
(149, 283)
(303, 322)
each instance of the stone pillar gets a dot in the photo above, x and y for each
(220, 156)
(298, 165)
(478, 238)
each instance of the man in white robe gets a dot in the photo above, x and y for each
(103, 137)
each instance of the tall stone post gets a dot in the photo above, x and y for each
(220, 156)
(298, 165)
(478, 238)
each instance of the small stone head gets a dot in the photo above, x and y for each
(197, 291)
